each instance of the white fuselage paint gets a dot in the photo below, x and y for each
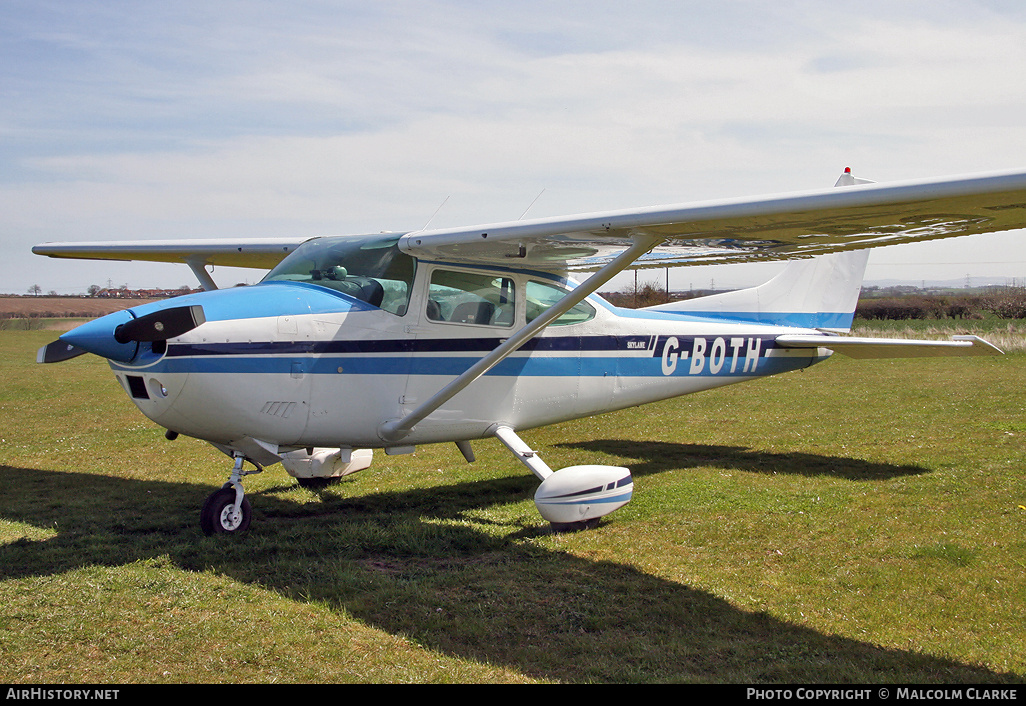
(332, 379)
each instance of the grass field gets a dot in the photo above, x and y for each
(855, 522)
(1007, 334)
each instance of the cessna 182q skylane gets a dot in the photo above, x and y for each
(387, 341)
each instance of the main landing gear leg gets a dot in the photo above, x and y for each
(227, 511)
(573, 498)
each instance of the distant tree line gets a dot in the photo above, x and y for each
(649, 295)
(644, 295)
(1007, 303)
(1010, 303)
(122, 292)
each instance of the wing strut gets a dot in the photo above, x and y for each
(398, 428)
(199, 268)
(525, 453)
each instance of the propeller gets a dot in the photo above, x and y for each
(160, 325)
(128, 331)
(57, 352)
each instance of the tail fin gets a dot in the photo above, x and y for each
(819, 293)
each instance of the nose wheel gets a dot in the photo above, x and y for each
(227, 511)
(222, 513)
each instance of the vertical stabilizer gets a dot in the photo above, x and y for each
(819, 293)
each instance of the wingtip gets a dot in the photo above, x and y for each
(982, 346)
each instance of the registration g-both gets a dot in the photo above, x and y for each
(352, 344)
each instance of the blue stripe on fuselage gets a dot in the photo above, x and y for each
(816, 320)
(628, 356)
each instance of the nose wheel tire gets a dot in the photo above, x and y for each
(219, 515)
(561, 527)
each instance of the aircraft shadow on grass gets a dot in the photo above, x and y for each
(460, 591)
(660, 456)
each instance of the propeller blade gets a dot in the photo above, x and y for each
(161, 325)
(58, 352)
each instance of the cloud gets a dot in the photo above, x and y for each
(250, 118)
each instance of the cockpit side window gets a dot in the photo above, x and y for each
(369, 268)
(471, 298)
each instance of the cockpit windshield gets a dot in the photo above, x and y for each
(370, 268)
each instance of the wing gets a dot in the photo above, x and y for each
(263, 253)
(737, 230)
(766, 228)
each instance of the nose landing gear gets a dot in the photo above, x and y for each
(227, 511)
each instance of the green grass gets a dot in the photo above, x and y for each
(855, 522)
(1007, 334)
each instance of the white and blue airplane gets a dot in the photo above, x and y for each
(356, 343)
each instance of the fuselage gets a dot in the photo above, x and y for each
(326, 360)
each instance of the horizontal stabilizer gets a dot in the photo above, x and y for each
(892, 347)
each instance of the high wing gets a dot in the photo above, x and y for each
(260, 253)
(743, 230)
(263, 253)
(776, 227)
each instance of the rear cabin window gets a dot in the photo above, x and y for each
(542, 295)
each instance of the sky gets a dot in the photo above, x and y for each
(243, 118)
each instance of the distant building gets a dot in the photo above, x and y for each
(125, 293)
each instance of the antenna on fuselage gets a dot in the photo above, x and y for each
(436, 212)
(531, 205)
